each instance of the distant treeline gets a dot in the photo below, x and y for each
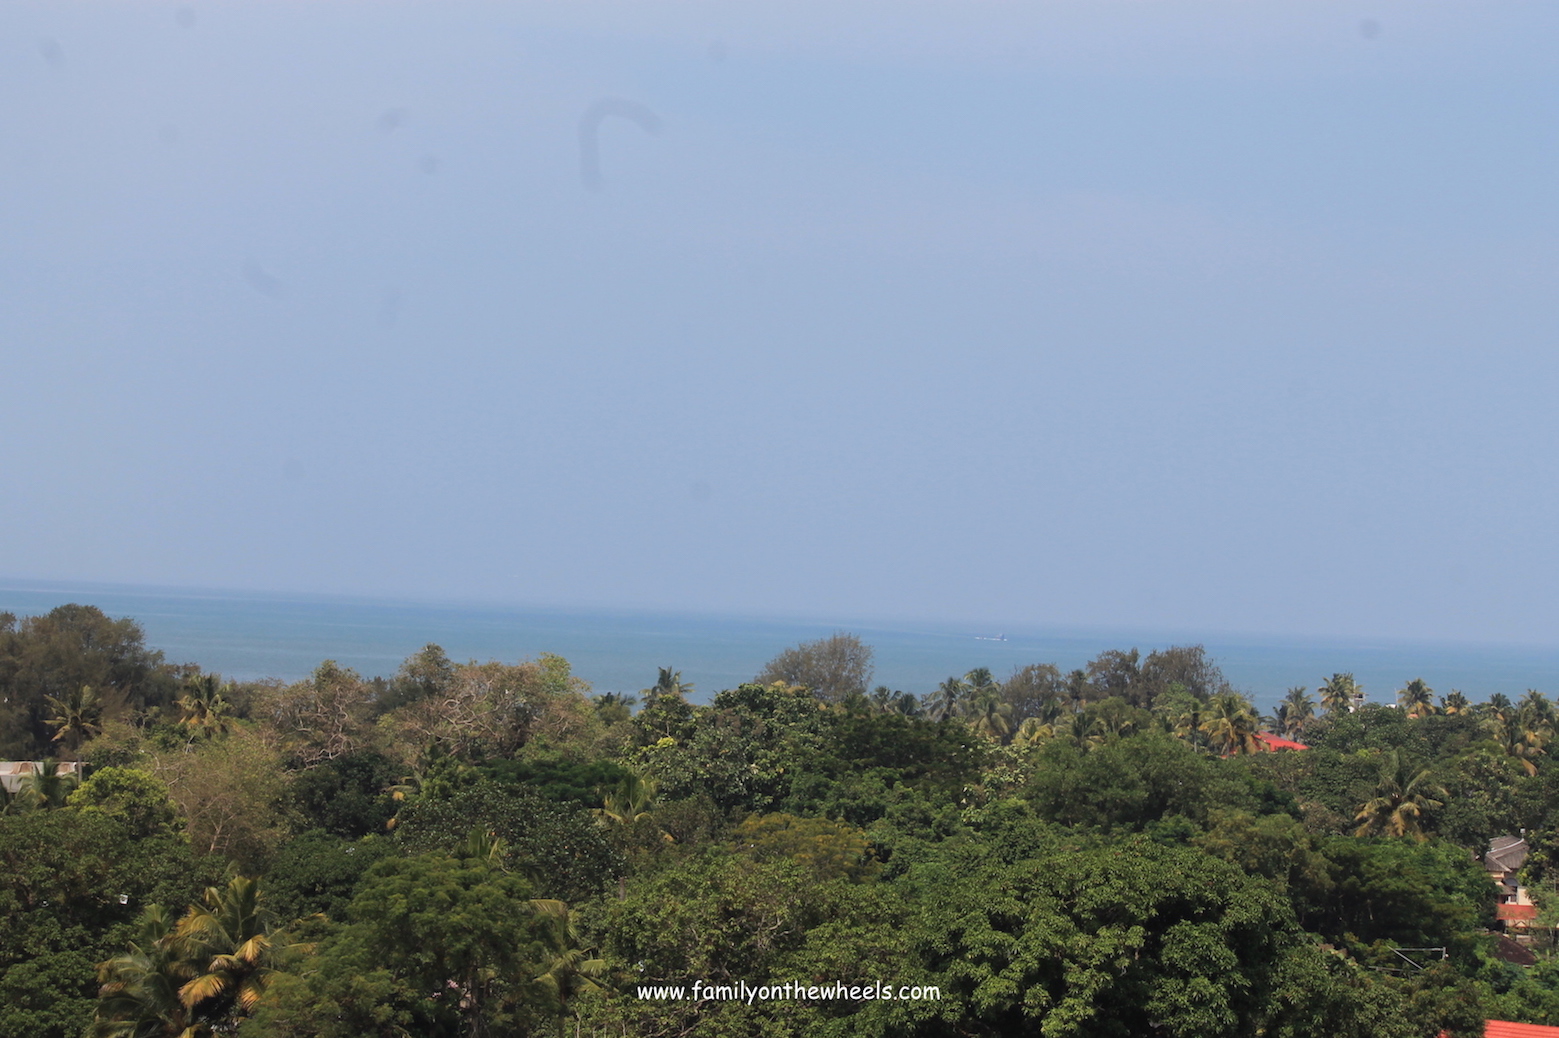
(486, 848)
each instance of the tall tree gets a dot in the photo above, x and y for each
(1231, 725)
(58, 653)
(946, 700)
(1340, 694)
(1300, 710)
(1402, 797)
(668, 683)
(1416, 698)
(203, 707)
(832, 667)
(989, 713)
(227, 941)
(78, 716)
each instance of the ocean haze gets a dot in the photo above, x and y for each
(1111, 316)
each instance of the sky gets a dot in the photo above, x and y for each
(1212, 317)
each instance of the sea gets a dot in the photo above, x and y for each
(252, 635)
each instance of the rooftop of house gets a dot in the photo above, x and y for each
(1505, 854)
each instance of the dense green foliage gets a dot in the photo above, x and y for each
(483, 848)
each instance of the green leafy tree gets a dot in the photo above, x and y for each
(832, 667)
(137, 798)
(59, 653)
(1130, 938)
(561, 846)
(440, 945)
(72, 884)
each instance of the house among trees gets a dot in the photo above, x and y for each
(15, 773)
(1272, 743)
(1503, 860)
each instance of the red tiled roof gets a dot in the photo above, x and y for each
(1506, 1029)
(1273, 742)
(1517, 912)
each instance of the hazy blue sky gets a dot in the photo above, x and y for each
(1206, 316)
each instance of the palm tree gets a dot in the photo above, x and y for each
(1077, 689)
(631, 800)
(1187, 724)
(202, 705)
(140, 993)
(1537, 713)
(46, 788)
(1400, 800)
(668, 683)
(573, 967)
(981, 680)
(944, 702)
(1231, 725)
(1298, 711)
(989, 713)
(1416, 698)
(1033, 731)
(1519, 734)
(1455, 703)
(1083, 731)
(1340, 694)
(78, 716)
(228, 942)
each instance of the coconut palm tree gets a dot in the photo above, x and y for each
(1416, 698)
(45, 789)
(949, 695)
(1401, 799)
(1454, 703)
(227, 939)
(989, 713)
(1187, 724)
(202, 706)
(140, 993)
(1340, 694)
(1077, 689)
(1033, 731)
(1230, 724)
(668, 683)
(1301, 710)
(78, 716)
(980, 680)
(632, 799)
(1536, 712)
(1518, 734)
(573, 967)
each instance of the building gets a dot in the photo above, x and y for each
(14, 772)
(1503, 860)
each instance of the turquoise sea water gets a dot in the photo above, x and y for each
(251, 635)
